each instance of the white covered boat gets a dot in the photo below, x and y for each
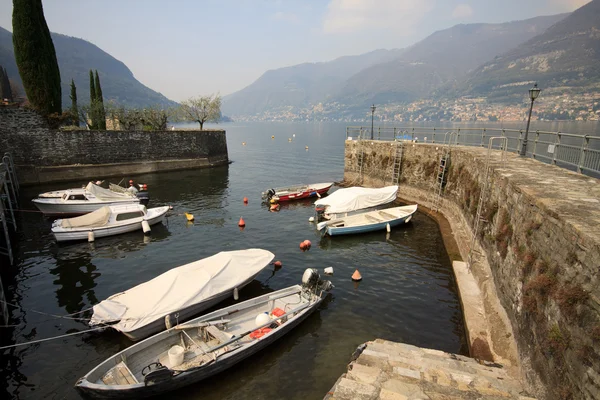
(368, 221)
(180, 293)
(188, 353)
(108, 221)
(82, 200)
(343, 202)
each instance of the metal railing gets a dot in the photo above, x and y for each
(579, 153)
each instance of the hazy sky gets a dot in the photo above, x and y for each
(185, 48)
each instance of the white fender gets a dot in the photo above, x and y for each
(91, 236)
(145, 226)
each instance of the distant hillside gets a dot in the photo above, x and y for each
(75, 58)
(440, 59)
(565, 57)
(301, 85)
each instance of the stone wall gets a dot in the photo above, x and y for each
(537, 254)
(37, 149)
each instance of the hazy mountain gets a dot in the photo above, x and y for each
(440, 59)
(75, 58)
(566, 56)
(301, 85)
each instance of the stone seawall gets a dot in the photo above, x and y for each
(536, 258)
(45, 155)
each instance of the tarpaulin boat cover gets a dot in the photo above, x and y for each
(179, 288)
(356, 198)
(94, 219)
(106, 194)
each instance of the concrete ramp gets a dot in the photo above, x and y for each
(389, 370)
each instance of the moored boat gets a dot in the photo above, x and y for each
(368, 221)
(108, 221)
(344, 202)
(179, 293)
(188, 353)
(82, 200)
(296, 192)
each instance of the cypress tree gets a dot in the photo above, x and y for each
(100, 103)
(74, 108)
(2, 85)
(36, 57)
(93, 117)
(6, 87)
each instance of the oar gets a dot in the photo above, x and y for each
(202, 324)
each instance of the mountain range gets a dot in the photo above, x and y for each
(75, 58)
(561, 52)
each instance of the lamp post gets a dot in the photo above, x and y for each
(534, 92)
(372, 115)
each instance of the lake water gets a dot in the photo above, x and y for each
(408, 293)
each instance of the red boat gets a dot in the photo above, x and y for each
(297, 192)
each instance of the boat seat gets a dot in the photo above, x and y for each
(373, 219)
(120, 374)
(387, 215)
(218, 334)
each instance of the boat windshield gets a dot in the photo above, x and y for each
(129, 215)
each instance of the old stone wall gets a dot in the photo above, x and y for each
(537, 252)
(33, 144)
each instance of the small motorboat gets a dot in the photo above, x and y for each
(188, 353)
(297, 192)
(368, 221)
(108, 221)
(344, 202)
(81, 201)
(179, 293)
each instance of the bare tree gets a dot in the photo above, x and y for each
(155, 118)
(125, 118)
(201, 109)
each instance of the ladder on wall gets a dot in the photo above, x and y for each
(360, 153)
(441, 172)
(397, 163)
(484, 191)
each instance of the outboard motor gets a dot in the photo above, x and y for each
(311, 281)
(143, 194)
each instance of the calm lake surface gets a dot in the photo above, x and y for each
(408, 293)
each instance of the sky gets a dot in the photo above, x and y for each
(186, 48)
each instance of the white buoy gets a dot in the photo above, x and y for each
(236, 294)
(388, 228)
(91, 237)
(145, 226)
(262, 319)
(311, 219)
(328, 271)
(294, 135)
(168, 321)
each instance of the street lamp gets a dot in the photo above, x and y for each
(372, 114)
(534, 92)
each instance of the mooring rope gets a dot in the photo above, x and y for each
(51, 338)
(67, 316)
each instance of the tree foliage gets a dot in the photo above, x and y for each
(101, 117)
(36, 57)
(201, 109)
(92, 115)
(153, 118)
(74, 110)
(5, 89)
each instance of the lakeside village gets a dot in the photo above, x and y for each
(550, 107)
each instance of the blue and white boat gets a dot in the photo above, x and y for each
(368, 221)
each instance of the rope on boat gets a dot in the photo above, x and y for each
(50, 338)
(67, 316)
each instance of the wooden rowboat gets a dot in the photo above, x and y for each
(368, 221)
(202, 347)
(297, 192)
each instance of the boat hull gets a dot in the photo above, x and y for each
(55, 207)
(332, 231)
(349, 226)
(305, 194)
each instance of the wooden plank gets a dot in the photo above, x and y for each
(387, 215)
(218, 334)
(372, 218)
(119, 375)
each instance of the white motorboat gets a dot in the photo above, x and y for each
(108, 221)
(188, 353)
(368, 221)
(180, 293)
(345, 202)
(82, 200)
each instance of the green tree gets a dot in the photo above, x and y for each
(36, 57)
(92, 108)
(101, 117)
(201, 109)
(5, 90)
(74, 110)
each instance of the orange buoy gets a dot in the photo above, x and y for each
(307, 243)
(245, 200)
(302, 246)
(274, 207)
(277, 264)
(356, 277)
(241, 224)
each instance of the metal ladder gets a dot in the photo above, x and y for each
(360, 154)
(441, 171)
(397, 162)
(484, 191)
(9, 189)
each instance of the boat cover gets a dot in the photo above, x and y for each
(94, 219)
(106, 194)
(179, 288)
(356, 198)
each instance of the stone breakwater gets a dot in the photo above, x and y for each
(535, 261)
(43, 154)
